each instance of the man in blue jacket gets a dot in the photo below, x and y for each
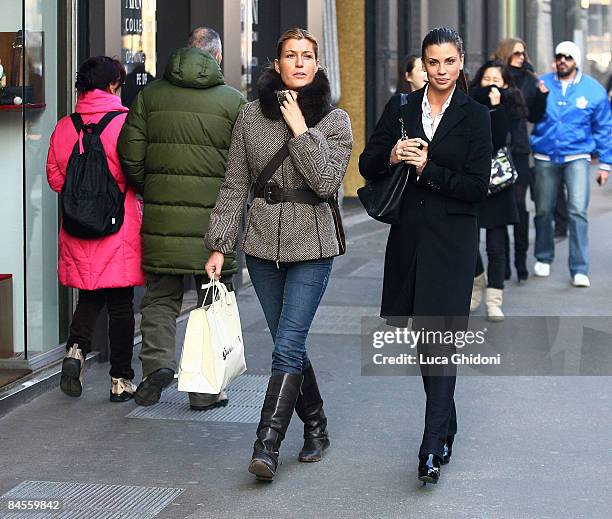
(577, 124)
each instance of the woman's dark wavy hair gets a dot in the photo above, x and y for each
(441, 35)
(513, 98)
(99, 72)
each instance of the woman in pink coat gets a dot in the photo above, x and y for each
(106, 269)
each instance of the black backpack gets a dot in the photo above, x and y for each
(92, 202)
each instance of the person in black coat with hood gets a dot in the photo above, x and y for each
(493, 87)
(512, 52)
(431, 253)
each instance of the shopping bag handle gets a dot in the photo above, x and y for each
(218, 290)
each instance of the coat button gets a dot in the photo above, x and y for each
(421, 202)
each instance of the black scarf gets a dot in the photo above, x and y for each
(314, 99)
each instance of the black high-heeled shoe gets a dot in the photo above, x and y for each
(448, 449)
(429, 469)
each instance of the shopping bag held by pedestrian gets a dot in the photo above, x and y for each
(213, 352)
(382, 198)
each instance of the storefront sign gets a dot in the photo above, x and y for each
(137, 46)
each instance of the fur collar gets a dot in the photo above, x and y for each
(314, 99)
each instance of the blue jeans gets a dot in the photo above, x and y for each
(548, 175)
(289, 295)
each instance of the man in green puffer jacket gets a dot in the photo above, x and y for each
(173, 149)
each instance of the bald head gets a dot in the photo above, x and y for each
(208, 40)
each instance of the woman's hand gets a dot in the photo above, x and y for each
(494, 96)
(416, 154)
(542, 87)
(293, 115)
(214, 265)
(398, 153)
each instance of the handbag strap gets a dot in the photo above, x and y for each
(402, 120)
(274, 163)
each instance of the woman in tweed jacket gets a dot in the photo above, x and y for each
(289, 245)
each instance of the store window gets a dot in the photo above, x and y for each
(29, 291)
(137, 46)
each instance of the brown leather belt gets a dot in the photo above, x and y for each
(272, 193)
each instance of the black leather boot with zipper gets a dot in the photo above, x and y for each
(281, 396)
(309, 407)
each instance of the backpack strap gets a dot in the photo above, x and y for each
(99, 127)
(103, 123)
(78, 122)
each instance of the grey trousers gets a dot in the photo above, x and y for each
(160, 307)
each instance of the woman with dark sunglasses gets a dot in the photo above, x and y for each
(513, 53)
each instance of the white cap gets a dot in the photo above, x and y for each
(569, 48)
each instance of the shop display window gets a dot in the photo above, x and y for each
(29, 291)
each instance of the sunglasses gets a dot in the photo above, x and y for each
(561, 57)
(519, 53)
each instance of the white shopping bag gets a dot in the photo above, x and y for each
(213, 352)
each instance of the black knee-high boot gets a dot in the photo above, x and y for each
(309, 407)
(281, 396)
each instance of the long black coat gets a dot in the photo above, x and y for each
(431, 255)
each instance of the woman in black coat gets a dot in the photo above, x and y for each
(512, 52)
(493, 87)
(431, 254)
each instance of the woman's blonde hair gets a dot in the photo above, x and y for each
(505, 48)
(296, 34)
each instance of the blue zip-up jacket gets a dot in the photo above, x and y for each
(579, 122)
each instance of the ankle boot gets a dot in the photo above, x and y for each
(494, 299)
(309, 407)
(429, 468)
(480, 283)
(281, 396)
(448, 449)
(73, 365)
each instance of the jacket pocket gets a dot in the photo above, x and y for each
(459, 207)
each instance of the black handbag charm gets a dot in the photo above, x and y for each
(382, 197)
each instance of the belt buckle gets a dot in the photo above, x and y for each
(268, 193)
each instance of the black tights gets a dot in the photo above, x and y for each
(120, 326)
(496, 254)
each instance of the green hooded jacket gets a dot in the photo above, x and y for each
(173, 149)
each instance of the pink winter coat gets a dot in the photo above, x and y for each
(112, 261)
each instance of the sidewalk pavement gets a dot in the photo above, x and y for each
(527, 447)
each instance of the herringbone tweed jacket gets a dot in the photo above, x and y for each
(287, 231)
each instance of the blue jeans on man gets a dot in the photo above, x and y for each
(289, 294)
(547, 179)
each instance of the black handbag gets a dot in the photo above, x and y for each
(382, 197)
